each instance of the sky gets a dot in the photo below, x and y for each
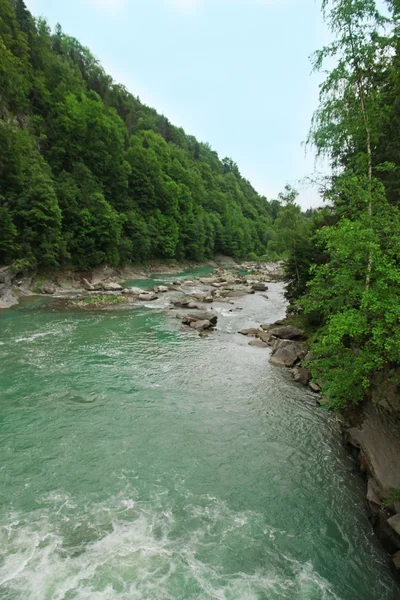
(234, 73)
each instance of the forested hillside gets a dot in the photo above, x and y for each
(345, 271)
(89, 175)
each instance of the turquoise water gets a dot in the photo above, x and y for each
(139, 461)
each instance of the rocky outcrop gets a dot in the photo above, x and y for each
(287, 353)
(287, 333)
(373, 431)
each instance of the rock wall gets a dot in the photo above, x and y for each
(373, 432)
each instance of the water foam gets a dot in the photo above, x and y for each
(123, 549)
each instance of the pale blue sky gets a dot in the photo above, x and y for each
(234, 73)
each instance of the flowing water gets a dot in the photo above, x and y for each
(139, 461)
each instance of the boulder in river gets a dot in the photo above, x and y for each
(201, 316)
(160, 289)
(201, 325)
(252, 331)
(259, 286)
(133, 291)
(265, 337)
(287, 354)
(112, 287)
(287, 333)
(258, 343)
(149, 297)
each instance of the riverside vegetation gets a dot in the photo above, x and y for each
(344, 275)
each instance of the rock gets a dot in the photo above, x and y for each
(373, 492)
(394, 523)
(49, 289)
(216, 285)
(181, 303)
(177, 282)
(189, 282)
(287, 333)
(201, 316)
(287, 354)
(258, 344)
(396, 560)
(251, 331)
(259, 286)
(265, 337)
(314, 387)
(192, 306)
(88, 286)
(133, 291)
(149, 297)
(301, 375)
(112, 287)
(265, 326)
(200, 325)
(208, 299)
(97, 287)
(160, 289)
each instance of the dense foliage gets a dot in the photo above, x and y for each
(349, 281)
(89, 175)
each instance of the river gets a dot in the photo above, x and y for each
(139, 461)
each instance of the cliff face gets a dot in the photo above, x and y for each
(375, 433)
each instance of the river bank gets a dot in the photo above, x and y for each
(17, 285)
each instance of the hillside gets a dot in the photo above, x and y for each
(90, 175)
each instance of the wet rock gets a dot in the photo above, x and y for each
(181, 302)
(200, 325)
(287, 333)
(252, 331)
(149, 297)
(396, 560)
(265, 337)
(201, 316)
(265, 326)
(373, 492)
(112, 287)
(259, 286)
(160, 289)
(301, 375)
(394, 523)
(287, 354)
(314, 387)
(258, 344)
(133, 291)
(208, 299)
(49, 289)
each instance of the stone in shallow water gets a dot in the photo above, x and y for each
(258, 344)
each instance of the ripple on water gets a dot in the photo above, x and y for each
(126, 549)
